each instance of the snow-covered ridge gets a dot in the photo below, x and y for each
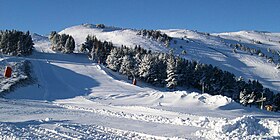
(117, 36)
(216, 49)
(37, 37)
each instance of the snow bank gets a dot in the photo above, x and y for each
(246, 127)
(19, 73)
(177, 99)
(217, 100)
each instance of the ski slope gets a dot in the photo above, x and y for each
(216, 49)
(77, 99)
(206, 48)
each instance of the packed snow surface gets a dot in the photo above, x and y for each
(77, 99)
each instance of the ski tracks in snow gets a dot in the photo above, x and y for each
(137, 113)
(210, 127)
(62, 130)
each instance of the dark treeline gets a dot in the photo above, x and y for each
(155, 35)
(62, 43)
(161, 69)
(274, 56)
(16, 43)
(96, 49)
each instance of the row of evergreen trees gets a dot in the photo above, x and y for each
(96, 49)
(62, 43)
(161, 69)
(273, 58)
(16, 43)
(156, 35)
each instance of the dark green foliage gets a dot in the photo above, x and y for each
(146, 69)
(97, 49)
(276, 101)
(16, 43)
(62, 43)
(172, 72)
(113, 60)
(166, 70)
(156, 35)
(127, 66)
(88, 45)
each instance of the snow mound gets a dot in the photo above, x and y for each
(215, 100)
(19, 75)
(245, 127)
(175, 99)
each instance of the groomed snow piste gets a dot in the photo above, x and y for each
(77, 99)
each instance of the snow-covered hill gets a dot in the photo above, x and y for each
(77, 99)
(118, 36)
(215, 49)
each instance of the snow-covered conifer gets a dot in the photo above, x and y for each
(113, 60)
(172, 75)
(146, 68)
(127, 65)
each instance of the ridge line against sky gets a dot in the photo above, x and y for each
(43, 16)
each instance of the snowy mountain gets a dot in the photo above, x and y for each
(74, 98)
(215, 49)
(116, 35)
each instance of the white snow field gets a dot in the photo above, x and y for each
(78, 99)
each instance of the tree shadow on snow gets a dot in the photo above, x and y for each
(54, 82)
(25, 124)
(75, 58)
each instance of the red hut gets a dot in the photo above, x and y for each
(8, 72)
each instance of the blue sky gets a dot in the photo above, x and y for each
(43, 16)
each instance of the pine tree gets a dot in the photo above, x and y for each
(69, 45)
(268, 95)
(20, 47)
(160, 69)
(62, 43)
(114, 60)
(276, 101)
(137, 61)
(127, 65)
(172, 76)
(146, 68)
(15, 42)
(181, 66)
(88, 45)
